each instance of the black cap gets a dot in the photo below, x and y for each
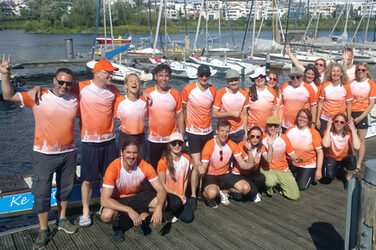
(203, 69)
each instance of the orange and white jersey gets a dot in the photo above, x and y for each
(126, 183)
(226, 101)
(339, 146)
(198, 105)
(181, 172)
(162, 121)
(131, 114)
(322, 77)
(315, 88)
(54, 121)
(335, 98)
(362, 92)
(97, 111)
(281, 147)
(260, 110)
(294, 99)
(256, 154)
(219, 158)
(305, 143)
(351, 73)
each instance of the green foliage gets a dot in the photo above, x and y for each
(83, 13)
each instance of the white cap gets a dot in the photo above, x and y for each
(176, 136)
(257, 72)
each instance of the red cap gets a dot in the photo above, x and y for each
(104, 65)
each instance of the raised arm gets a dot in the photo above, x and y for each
(295, 60)
(354, 135)
(326, 139)
(6, 87)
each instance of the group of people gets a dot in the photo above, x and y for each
(267, 139)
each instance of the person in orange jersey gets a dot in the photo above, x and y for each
(131, 110)
(215, 167)
(54, 149)
(98, 148)
(275, 168)
(173, 171)
(231, 104)
(335, 97)
(296, 95)
(363, 90)
(262, 100)
(198, 99)
(319, 63)
(125, 203)
(306, 142)
(255, 136)
(165, 113)
(339, 141)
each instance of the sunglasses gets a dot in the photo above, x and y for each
(221, 155)
(338, 121)
(206, 75)
(319, 64)
(64, 82)
(273, 79)
(255, 136)
(361, 70)
(295, 77)
(273, 125)
(233, 79)
(174, 143)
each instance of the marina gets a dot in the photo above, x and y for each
(315, 221)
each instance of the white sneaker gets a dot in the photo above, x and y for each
(85, 221)
(224, 198)
(257, 198)
(174, 219)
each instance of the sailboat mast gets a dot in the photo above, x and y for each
(158, 25)
(229, 21)
(165, 28)
(198, 25)
(206, 26)
(254, 29)
(151, 25)
(287, 27)
(369, 19)
(273, 20)
(104, 25)
(96, 29)
(247, 26)
(111, 29)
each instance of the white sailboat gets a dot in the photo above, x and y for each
(181, 69)
(124, 71)
(221, 65)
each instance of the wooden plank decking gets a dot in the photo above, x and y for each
(316, 221)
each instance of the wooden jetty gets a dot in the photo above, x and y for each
(316, 221)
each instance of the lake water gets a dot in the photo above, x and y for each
(17, 125)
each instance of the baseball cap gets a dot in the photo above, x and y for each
(203, 69)
(176, 136)
(104, 65)
(273, 120)
(231, 73)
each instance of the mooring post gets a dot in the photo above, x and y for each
(69, 48)
(267, 61)
(352, 213)
(367, 217)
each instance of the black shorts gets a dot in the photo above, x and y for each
(139, 202)
(197, 142)
(364, 123)
(95, 158)
(224, 181)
